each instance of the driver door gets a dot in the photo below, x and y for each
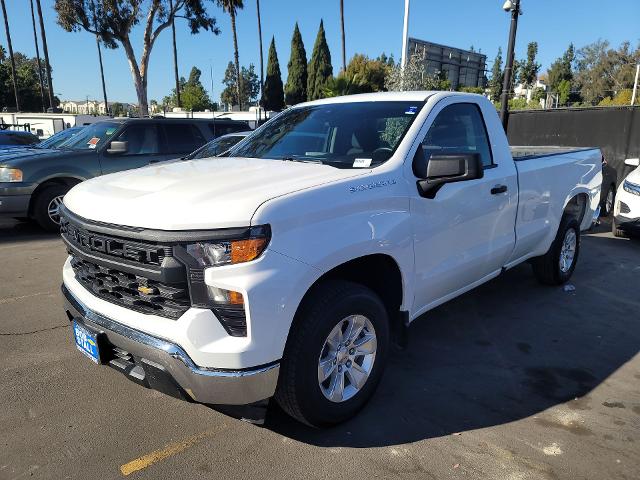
(464, 234)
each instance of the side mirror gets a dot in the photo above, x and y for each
(632, 162)
(118, 148)
(438, 169)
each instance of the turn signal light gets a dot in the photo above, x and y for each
(247, 250)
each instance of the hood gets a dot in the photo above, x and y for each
(634, 176)
(19, 156)
(196, 194)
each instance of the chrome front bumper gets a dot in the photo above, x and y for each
(165, 366)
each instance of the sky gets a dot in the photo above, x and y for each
(372, 27)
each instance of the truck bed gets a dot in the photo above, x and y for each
(525, 152)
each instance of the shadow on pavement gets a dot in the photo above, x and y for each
(13, 231)
(506, 351)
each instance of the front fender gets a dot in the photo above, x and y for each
(329, 225)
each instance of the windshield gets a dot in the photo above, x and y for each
(91, 136)
(58, 138)
(216, 147)
(346, 135)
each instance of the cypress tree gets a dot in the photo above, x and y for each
(273, 94)
(296, 88)
(320, 69)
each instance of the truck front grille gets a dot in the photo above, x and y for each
(132, 291)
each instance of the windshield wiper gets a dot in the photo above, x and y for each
(301, 160)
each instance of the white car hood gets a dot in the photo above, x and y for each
(634, 176)
(195, 194)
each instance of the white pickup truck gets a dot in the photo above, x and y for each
(285, 269)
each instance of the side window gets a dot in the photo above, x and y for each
(142, 139)
(459, 128)
(182, 137)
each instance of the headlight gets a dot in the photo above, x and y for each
(631, 187)
(226, 252)
(10, 174)
(228, 305)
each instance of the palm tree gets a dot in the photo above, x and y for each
(260, 38)
(95, 27)
(344, 55)
(175, 57)
(47, 65)
(232, 7)
(11, 57)
(35, 40)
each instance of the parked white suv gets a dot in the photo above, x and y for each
(286, 268)
(626, 213)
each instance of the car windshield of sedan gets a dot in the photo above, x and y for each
(344, 135)
(91, 137)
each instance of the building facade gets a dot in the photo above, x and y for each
(463, 68)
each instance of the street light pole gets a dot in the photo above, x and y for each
(514, 8)
(635, 85)
(405, 35)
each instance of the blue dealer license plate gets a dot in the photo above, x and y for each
(86, 342)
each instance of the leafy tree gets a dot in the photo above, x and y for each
(193, 95)
(412, 77)
(28, 83)
(117, 109)
(538, 94)
(296, 88)
(232, 7)
(388, 61)
(273, 93)
(623, 97)
(320, 69)
(370, 73)
(497, 77)
(344, 85)
(564, 91)
(114, 20)
(529, 69)
(560, 75)
(250, 85)
(478, 90)
(602, 71)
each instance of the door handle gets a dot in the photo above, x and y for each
(498, 189)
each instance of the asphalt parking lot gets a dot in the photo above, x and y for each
(512, 381)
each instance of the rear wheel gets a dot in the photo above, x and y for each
(335, 354)
(609, 200)
(46, 207)
(557, 265)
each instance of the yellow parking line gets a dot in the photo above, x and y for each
(165, 452)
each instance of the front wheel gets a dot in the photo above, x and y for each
(556, 266)
(617, 232)
(335, 354)
(46, 207)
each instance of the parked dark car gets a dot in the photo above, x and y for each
(609, 187)
(218, 145)
(32, 184)
(17, 139)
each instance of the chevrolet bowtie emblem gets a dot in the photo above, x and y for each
(146, 290)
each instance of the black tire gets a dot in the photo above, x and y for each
(41, 205)
(298, 391)
(605, 211)
(617, 232)
(547, 267)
